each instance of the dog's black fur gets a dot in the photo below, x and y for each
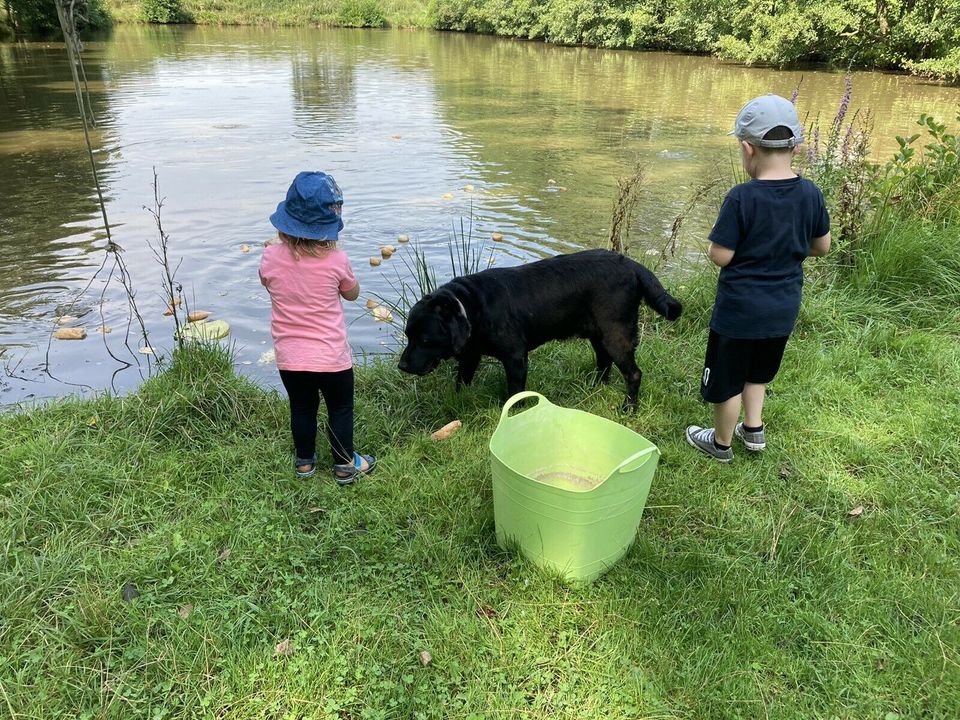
(507, 312)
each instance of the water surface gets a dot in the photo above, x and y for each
(420, 129)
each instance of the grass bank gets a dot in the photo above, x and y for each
(752, 591)
(921, 38)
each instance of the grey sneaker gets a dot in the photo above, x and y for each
(752, 440)
(702, 440)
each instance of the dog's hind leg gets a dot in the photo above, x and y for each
(466, 369)
(604, 361)
(621, 346)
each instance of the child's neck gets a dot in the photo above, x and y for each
(774, 167)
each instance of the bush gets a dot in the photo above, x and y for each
(163, 12)
(39, 17)
(361, 13)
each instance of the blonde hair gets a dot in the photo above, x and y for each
(305, 246)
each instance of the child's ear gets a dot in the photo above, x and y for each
(748, 149)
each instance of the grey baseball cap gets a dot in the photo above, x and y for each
(761, 115)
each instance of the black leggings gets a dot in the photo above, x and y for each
(304, 389)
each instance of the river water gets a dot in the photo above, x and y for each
(422, 130)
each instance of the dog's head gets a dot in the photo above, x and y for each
(437, 328)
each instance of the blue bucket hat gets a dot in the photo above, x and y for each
(312, 208)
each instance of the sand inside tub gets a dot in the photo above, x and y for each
(567, 480)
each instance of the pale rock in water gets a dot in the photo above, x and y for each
(382, 314)
(70, 333)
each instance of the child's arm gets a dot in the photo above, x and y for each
(820, 246)
(349, 286)
(720, 255)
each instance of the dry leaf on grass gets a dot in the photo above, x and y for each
(856, 512)
(425, 657)
(447, 430)
(185, 611)
(224, 554)
(129, 592)
(284, 648)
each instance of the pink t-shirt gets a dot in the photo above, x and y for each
(306, 320)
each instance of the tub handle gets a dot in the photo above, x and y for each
(631, 464)
(517, 398)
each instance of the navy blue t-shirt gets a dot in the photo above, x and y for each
(769, 225)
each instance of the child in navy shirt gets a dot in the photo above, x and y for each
(766, 228)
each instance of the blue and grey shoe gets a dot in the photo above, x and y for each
(303, 462)
(346, 474)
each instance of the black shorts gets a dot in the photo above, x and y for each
(732, 362)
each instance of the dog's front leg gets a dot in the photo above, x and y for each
(466, 368)
(516, 368)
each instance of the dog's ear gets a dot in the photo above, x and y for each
(455, 318)
(459, 331)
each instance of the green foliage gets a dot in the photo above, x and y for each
(39, 17)
(361, 13)
(926, 185)
(163, 11)
(897, 34)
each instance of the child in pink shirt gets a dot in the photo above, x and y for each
(306, 275)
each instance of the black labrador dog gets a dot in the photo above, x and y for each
(507, 312)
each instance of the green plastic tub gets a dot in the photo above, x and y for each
(568, 487)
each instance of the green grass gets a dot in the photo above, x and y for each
(749, 592)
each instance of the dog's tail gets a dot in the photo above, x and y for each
(655, 295)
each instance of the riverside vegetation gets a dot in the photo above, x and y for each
(918, 37)
(160, 560)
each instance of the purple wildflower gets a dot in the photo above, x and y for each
(794, 96)
(845, 147)
(844, 102)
